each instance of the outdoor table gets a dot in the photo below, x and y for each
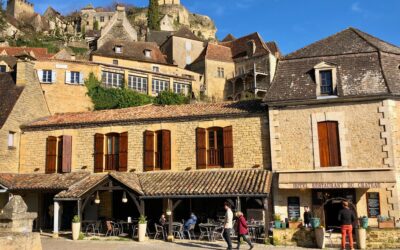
(125, 224)
(210, 229)
(255, 229)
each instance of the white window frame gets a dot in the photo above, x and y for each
(11, 139)
(182, 88)
(156, 69)
(159, 86)
(324, 66)
(221, 72)
(112, 79)
(147, 53)
(47, 76)
(138, 83)
(118, 49)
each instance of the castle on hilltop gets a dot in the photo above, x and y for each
(169, 2)
(20, 8)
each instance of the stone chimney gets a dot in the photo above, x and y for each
(25, 72)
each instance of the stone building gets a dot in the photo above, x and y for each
(169, 2)
(333, 112)
(20, 9)
(91, 15)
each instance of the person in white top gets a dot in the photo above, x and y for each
(228, 225)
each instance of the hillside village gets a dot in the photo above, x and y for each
(97, 106)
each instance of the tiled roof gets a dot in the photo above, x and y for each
(239, 46)
(152, 113)
(38, 53)
(158, 37)
(132, 51)
(215, 52)
(361, 72)
(10, 60)
(229, 38)
(273, 47)
(185, 32)
(9, 94)
(206, 183)
(40, 181)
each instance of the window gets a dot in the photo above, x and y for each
(373, 205)
(157, 150)
(159, 86)
(326, 82)
(137, 83)
(329, 144)
(147, 53)
(115, 62)
(156, 69)
(188, 45)
(47, 76)
(214, 147)
(118, 49)
(114, 152)
(58, 154)
(3, 68)
(188, 59)
(293, 207)
(182, 88)
(113, 80)
(102, 19)
(11, 140)
(221, 72)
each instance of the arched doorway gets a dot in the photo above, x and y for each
(330, 209)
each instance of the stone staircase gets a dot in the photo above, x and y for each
(337, 241)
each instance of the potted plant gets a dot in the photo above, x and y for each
(142, 228)
(320, 236)
(385, 222)
(295, 222)
(363, 222)
(361, 233)
(315, 222)
(76, 227)
(277, 221)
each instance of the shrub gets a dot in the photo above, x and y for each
(76, 219)
(142, 219)
(81, 236)
(171, 98)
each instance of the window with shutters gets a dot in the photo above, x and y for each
(157, 150)
(47, 76)
(75, 77)
(112, 153)
(58, 154)
(214, 147)
(329, 144)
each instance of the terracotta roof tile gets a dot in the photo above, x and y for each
(215, 52)
(152, 113)
(38, 53)
(239, 46)
(185, 32)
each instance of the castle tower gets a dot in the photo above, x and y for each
(20, 8)
(169, 2)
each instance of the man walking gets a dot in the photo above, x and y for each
(346, 219)
(228, 225)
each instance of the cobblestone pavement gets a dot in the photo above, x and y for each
(64, 244)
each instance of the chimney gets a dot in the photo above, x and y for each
(25, 72)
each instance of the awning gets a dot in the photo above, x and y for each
(363, 179)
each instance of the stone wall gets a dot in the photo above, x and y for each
(383, 238)
(19, 241)
(294, 237)
(250, 143)
(216, 87)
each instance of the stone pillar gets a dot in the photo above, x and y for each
(56, 219)
(150, 85)
(171, 84)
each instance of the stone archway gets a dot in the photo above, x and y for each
(320, 212)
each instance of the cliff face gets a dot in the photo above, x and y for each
(178, 16)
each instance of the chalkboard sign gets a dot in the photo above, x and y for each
(373, 205)
(294, 207)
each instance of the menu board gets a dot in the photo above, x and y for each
(294, 207)
(373, 205)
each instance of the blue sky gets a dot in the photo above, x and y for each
(291, 23)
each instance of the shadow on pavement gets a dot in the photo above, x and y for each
(204, 245)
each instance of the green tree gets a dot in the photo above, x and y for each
(3, 22)
(171, 98)
(96, 25)
(153, 15)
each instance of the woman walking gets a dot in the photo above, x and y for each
(242, 229)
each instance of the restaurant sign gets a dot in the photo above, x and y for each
(333, 185)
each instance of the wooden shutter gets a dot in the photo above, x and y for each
(98, 153)
(323, 144)
(123, 152)
(149, 151)
(334, 144)
(66, 153)
(51, 154)
(228, 147)
(201, 148)
(166, 150)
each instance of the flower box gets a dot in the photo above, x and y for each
(386, 224)
(295, 224)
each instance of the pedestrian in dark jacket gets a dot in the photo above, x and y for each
(242, 229)
(346, 218)
(307, 216)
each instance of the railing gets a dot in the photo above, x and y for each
(215, 157)
(112, 161)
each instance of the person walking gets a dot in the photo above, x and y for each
(228, 225)
(346, 218)
(242, 229)
(307, 216)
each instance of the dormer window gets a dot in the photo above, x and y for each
(325, 78)
(147, 53)
(118, 49)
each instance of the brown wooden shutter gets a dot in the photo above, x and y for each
(123, 152)
(334, 144)
(98, 153)
(66, 153)
(51, 154)
(323, 144)
(201, 148)
(228, 147)
(149, 151)
(166, 150)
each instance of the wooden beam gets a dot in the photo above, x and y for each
(266, 219)
(142, 207)
(133, 197)
(176, 204)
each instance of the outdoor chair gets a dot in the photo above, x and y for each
(190, 232)
(204, 233)
(112, 228)
(178, 231)
(218, 233)
(328, 235)
(94, 228)
(159, 231)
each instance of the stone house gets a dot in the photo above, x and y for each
(90, 15)
(145, 154)
(333, 126)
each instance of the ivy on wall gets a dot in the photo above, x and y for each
(116, 98)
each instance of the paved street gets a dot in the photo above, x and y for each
(63, 244)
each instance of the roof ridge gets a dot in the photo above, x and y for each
(362, 34)
(362, 37)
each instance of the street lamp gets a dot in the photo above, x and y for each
(124, 199)
(97, 199)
